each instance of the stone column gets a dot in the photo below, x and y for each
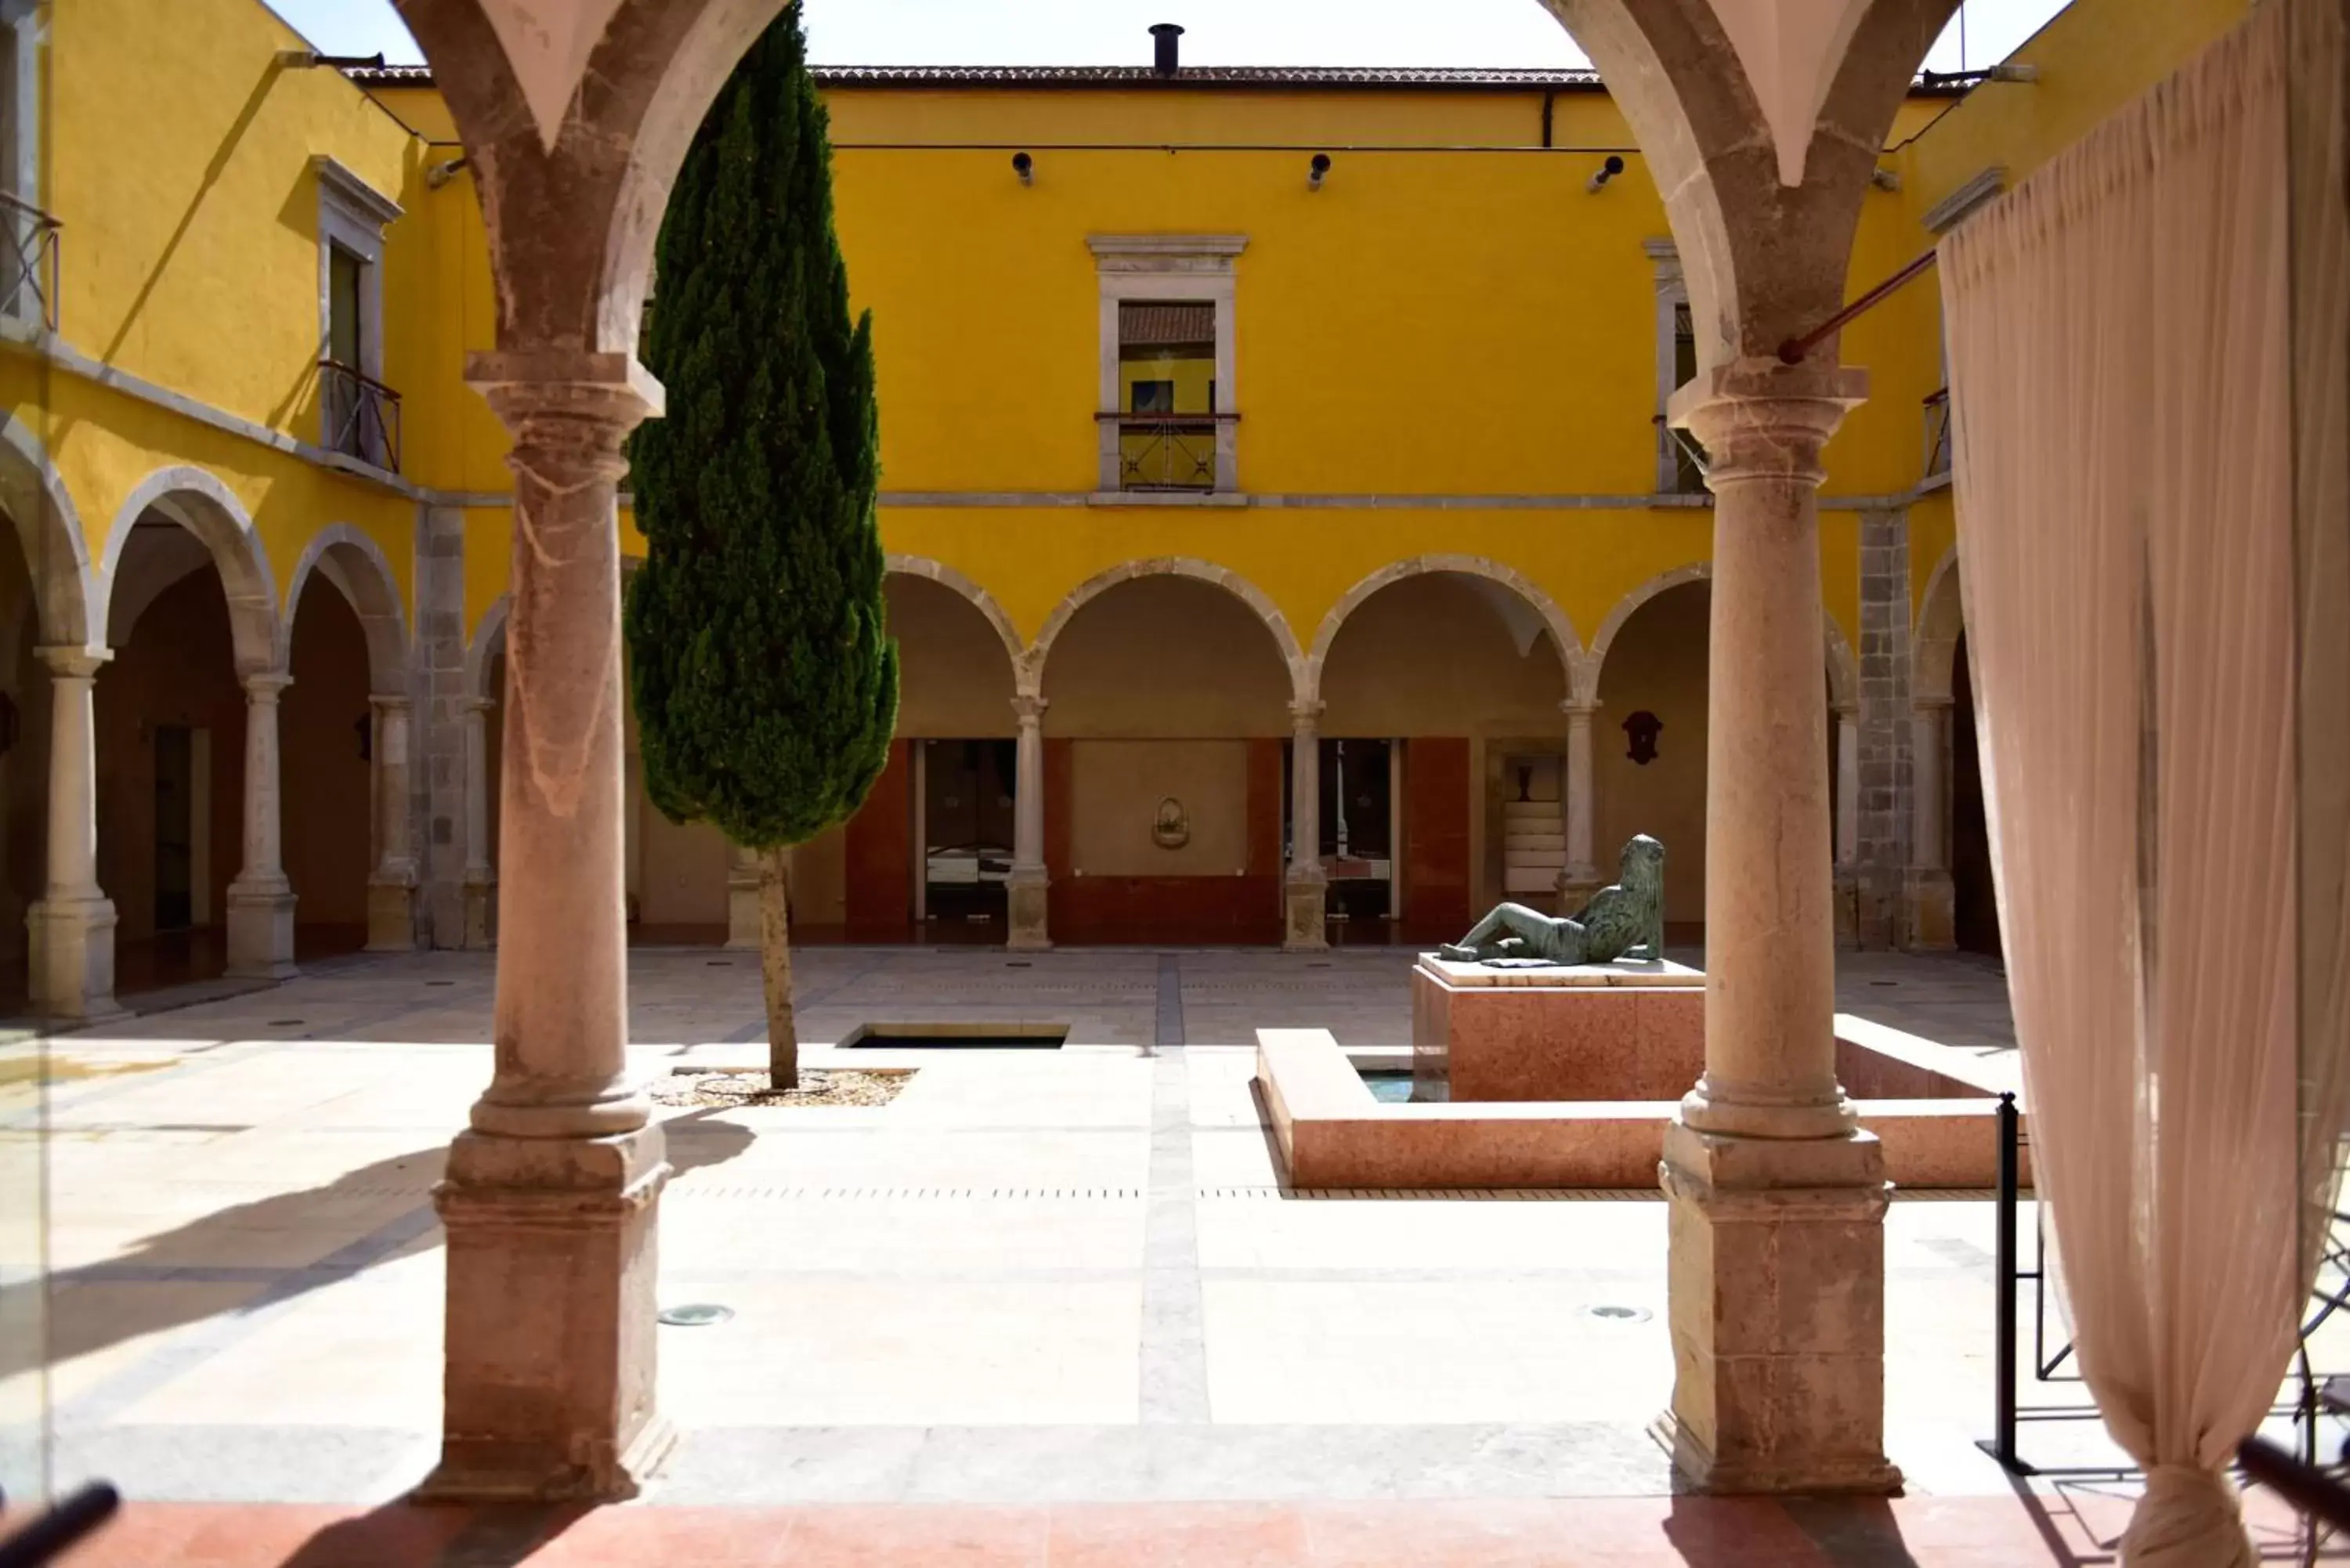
(71, 925)
(741, 898)
(481, 875)
(1927, 888)
(551, 1195)
(1777, 1273)
(1847, 827)
(392, 890)
(1305, 885)
(1028, 930)
(261, 901)
(1580, 879)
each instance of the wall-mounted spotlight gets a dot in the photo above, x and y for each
(439, 174)
(1025, 167)
(1885, 179)
(1317, 172)
(1608, 170)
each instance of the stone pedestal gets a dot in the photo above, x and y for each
(481, 910)
(1025, 896)
(1588, 1032)
(71, 954)
(1306, 913)
(392, 911)
(1930, 906)
(548, 1386)
(1776, 1276)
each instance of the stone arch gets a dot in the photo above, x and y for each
(48, 529)
(1554, 619)
(1934, 647)
(205, 507)
(1032, 663)
(946, 576)
(489, 637)
(356, 565)
(1843, 667)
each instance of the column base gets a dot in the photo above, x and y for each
(1027, 929)
(1576, 887)
(1305, 915)
(1930, 908)
(1776, 1280)
(261, 932)
(481, 912)
(71, 954)
(391, 915)
(548, 1382)
(743, 912)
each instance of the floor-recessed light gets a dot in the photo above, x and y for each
(700, 1315)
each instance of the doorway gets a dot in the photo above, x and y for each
(1358, 831)
(968, 799)
(175, 837)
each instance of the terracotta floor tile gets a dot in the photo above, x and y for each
(931, 1535)
(1511, 1533)
(640, 1536)
(1178, 1535)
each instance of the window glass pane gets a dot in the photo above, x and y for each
(1171, 347)
(346, 274)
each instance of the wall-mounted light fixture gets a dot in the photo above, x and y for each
(439, 174)
(1608, 170)
(1025, 167)
(1885, 179)
(1317, 172)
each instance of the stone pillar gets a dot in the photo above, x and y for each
(551, 1195)
(481, 875)
(1927, 888)
(1847, 827)
(1882, 852)
(1305, 885)
(391, 888)
(741, 898)
(1776, 1274)
(1028, 930)
(440, 760)
(71, 925)
(1580, 879)
(261, 901)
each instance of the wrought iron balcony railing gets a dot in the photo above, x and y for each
(1168, 451)
(30, 263)
(1937, 433)
(362, 415)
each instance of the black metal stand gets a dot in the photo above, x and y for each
(65, 1526)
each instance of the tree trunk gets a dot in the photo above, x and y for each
(775, 970)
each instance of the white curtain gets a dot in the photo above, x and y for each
(2122, 364)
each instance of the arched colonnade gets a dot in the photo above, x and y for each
(1105, 678)
(176, 636)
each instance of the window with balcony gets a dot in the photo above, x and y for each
(359, 415)
(30, 255)
(1166, 425)
(1680, 460)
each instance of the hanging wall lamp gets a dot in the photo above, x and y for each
(1608, 170)
(1025, 167)
(1317, 172)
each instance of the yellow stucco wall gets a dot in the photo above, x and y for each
(1451, 315)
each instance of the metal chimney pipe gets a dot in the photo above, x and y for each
(1168, 61)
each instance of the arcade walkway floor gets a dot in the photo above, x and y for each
(1059, 1298)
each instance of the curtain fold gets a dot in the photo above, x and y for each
(2121, 353)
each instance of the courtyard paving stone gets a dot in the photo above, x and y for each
(1038, 1293)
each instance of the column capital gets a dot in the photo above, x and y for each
(1305, 713)
(1029, 708)
(264, 685)
(1925, 706)
(73, 661)
(391, 704)
(474, 706)
(520, 383)
(1761, 419)
(1580, 707)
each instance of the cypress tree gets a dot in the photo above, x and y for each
(765, 683)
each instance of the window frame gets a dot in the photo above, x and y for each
(1167, 269)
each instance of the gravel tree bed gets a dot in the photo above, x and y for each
(749, 1087)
